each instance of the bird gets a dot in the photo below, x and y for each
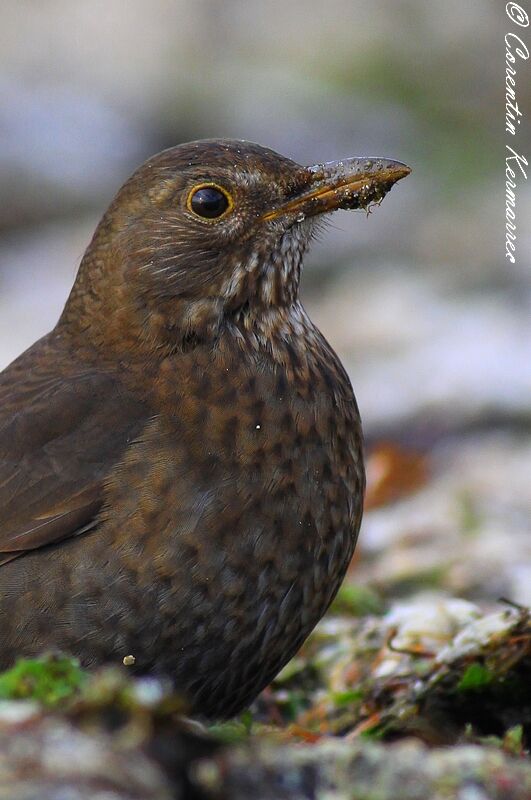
(181, 457)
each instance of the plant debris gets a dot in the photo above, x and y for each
(435, 668)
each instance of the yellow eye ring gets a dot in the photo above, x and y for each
(209, 201)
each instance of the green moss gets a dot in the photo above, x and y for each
(49, 680)
(346, 698)
(513, 741)
(231, 732)
(475, 676)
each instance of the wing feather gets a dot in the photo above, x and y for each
(63, 426)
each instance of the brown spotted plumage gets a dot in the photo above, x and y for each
(181, 473)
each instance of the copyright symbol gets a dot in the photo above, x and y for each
(517, 14)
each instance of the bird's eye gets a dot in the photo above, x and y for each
(209, 201)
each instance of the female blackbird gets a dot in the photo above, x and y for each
(181, 474)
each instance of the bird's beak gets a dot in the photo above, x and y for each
(351, 183)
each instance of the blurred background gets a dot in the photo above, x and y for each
(431, 320)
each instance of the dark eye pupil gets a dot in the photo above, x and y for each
(209, 202)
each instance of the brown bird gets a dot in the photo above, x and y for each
(181, 474)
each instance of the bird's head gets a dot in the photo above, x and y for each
(216, 230)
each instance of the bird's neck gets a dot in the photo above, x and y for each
(258, 305)
(268, 328)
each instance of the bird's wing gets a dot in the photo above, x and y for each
(62, 428)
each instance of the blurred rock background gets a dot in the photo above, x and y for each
(431, 320)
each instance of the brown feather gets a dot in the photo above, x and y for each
(62, 428)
